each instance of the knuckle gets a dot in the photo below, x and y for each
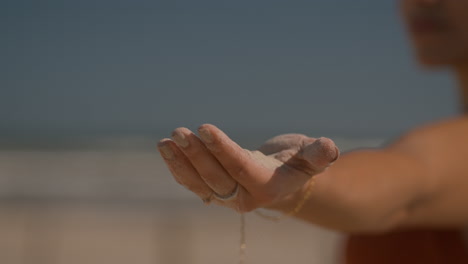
(240, 172)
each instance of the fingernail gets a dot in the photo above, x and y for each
(180, 139)
(205, 135)
(166, 151)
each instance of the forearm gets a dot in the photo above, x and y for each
(370, 190)
(420, 180)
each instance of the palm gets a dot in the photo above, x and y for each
(216, 164)
(290, 160)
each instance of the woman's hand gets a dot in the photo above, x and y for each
(213, 166)
(419, 180)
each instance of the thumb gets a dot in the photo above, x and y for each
(319, 154)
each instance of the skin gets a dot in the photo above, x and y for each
(419, 180)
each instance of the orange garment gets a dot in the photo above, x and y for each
(408, 247)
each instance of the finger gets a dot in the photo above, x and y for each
(265, 178)
(183, 171)
(318, 154)
(235, 160)
(207, 166)
(282, 142)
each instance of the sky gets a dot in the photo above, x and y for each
(120, 68)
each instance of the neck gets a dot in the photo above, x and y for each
(462, 75)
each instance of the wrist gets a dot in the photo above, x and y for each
(293, 203)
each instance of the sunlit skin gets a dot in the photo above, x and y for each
(419, 180)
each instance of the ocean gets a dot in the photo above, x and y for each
(117, 203)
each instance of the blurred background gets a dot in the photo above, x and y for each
(87, 88)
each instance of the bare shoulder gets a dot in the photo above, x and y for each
(457, 126)
(441, 149)
(447, 136)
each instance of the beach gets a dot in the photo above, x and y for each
(121, 205)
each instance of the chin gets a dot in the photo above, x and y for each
(433, 63)
(437, 56)
(441, 60)
(438, 52)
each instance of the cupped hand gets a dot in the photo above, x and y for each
(212, 165)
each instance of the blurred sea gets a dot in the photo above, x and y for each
(115, 202)
(123, 170)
